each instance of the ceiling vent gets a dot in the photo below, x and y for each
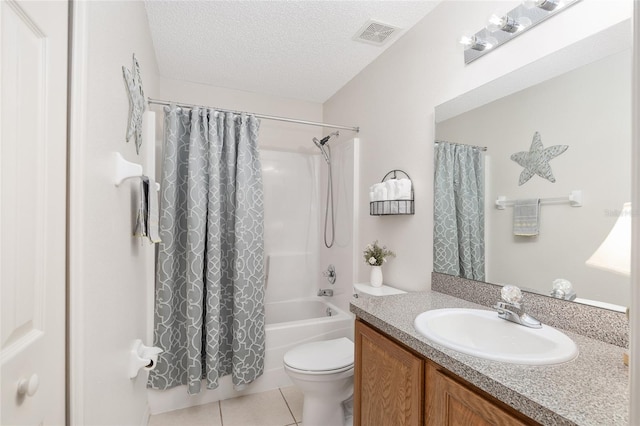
(375, 33)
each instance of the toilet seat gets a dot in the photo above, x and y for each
(324, 357)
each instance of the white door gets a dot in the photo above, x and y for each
(33, 146)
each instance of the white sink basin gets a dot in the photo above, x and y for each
(481, 333)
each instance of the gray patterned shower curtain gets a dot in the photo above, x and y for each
(209, 308)
(458, 232)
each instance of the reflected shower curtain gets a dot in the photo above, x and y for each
(458, 240)
(209, 310)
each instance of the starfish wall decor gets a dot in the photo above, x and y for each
(536, 160)
(137, 103)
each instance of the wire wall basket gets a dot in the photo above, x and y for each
(400, 206)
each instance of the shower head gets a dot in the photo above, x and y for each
(324, 140)
(321, 142)
(324, 153)
(318, 143)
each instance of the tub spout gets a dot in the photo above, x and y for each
(325, 292)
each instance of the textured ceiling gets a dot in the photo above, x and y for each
(295, 49)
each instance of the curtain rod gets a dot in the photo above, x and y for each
(266, 117)
(481, 148)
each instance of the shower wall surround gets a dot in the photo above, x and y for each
(295, 188)
(291, 222)
(345, 254)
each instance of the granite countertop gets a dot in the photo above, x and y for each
(593, 389)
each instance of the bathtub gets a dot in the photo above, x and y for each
(302, 312)
(287, 324)
(293, 322)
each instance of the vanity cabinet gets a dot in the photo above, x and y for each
(449, 401)
(396, 387)
(388, 381)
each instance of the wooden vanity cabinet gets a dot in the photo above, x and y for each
(388, 381)
(394, 386)
(450, 401)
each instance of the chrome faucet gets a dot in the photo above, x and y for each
(511, 308)
(325, 292)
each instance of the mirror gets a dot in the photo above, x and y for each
(580, 97)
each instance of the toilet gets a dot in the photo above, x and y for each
(323, 371)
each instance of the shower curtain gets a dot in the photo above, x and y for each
(209, 309)
(458, 240)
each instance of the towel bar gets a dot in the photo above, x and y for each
(574, 199)
(126, 170)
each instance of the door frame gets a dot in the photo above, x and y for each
(77, 116)
(634, 320)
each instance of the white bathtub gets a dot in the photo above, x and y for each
(296, 313)
(293, 322)
(288, 324)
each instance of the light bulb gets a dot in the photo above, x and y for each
(507, 24)
(496, 23)
(547, 5)
(466, 40)
(475, 43)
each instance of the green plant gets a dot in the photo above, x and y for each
(374, 255)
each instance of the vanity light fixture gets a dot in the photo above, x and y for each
(504, 27)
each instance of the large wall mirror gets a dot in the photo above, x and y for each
(580, 97)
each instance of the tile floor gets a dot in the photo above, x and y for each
(278, 407)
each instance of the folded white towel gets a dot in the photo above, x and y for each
(375, 192)
(391, 187)
(383, 193)
(404, 189)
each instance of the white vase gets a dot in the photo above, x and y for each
(375, 278)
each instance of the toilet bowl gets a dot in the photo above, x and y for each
(323, 371)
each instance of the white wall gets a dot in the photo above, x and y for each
(109, 268)
(393, 101)
(593, 119)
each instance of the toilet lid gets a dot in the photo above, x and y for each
(325, 355)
